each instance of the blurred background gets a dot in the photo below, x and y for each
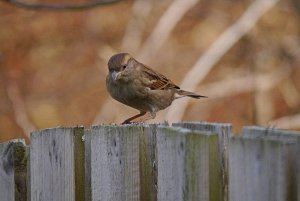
(244, 55)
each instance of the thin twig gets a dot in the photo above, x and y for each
(290, 93)
(207, 61)
(59, 7)
(164, 27)
(233, 86)
(133, 35)
(19, 109)
(287, 122)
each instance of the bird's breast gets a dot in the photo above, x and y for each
(126, 92)
(138, 96)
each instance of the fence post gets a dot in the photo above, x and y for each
(298, 169)
(224, 131)
(263, 132)
(152, 162)
(262, 166)
(188, 165)
(148, 163)
(54, 155)
(87, 164)
(13, 170)
(114, 158)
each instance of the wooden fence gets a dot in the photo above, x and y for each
(185, 161)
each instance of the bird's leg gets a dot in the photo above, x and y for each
(139, 118)
(128, 121)
(147, 116)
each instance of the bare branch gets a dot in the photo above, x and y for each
(19, 108)
(290, 93)
(164, 27)
(133, 35)
(287, 122)
(233, 86)
(207, 61)
(59, 7)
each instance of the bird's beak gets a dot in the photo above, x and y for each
(115, 75)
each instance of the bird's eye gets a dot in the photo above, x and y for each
(124, 66)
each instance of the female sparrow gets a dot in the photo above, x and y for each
(136, 85)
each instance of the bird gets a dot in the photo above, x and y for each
(138, 86)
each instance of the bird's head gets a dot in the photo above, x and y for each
(117, 64)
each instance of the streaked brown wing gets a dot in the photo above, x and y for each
(158, 81)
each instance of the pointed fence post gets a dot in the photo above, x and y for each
(114, 158)
(263, 165)
(13, 170)
(188, 165)
(224, 131)
(57, 165)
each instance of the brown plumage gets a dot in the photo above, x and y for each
(136, 85)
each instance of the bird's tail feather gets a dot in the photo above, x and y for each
(183, 93)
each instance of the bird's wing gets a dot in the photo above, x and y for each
(157, 80)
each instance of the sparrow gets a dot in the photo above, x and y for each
(136, 85)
